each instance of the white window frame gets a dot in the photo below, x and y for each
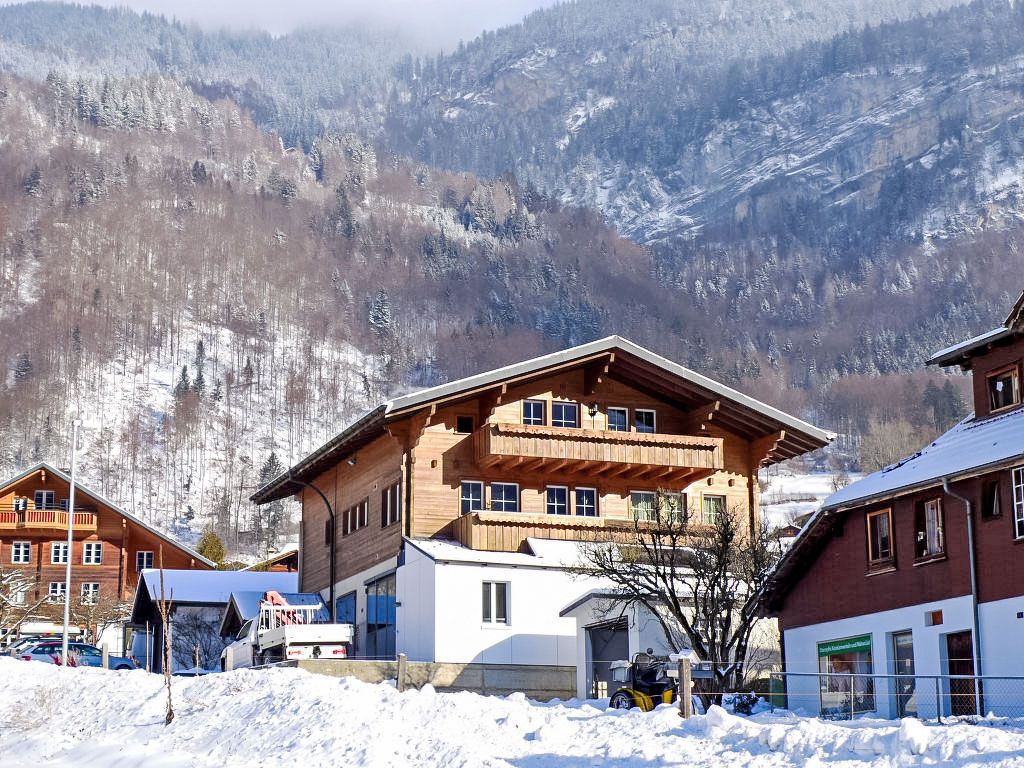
(90, 592)
(20, 503)
(633, 509)
(703, 511)
(58, 591)
(19, 597)
(636, 420)
(60, 547)
(96, 550)
(140, 560)
(543, 412)
(21, 552)
(391, 505)
(489, 603)
(625, 419)
(1017, 479)
(547, 500)
(48, 500)
(518, 501)
(876, 558)
(563, 404)
(462, 497)
(576, 502)
(1013, 372)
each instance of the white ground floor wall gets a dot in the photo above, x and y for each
(1001, 625)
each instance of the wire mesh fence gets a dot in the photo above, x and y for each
(928, 697)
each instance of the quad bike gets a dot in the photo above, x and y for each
(645, 683)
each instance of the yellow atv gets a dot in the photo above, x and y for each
(645, 683)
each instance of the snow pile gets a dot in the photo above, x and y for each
(284, 717)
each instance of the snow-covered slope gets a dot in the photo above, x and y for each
(283, 717)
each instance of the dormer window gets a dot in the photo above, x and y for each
(1003, 388)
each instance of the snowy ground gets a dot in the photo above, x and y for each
(55, 717)
(788, 494)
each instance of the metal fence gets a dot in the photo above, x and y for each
(928, 697)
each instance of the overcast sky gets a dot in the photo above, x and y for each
(438, 23)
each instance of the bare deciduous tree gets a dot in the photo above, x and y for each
(163, 605)
(694, 576)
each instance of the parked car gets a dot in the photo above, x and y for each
(80, 655)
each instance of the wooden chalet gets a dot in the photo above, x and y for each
(110, 546)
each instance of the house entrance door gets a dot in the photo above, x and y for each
(960, 660)
(906, 688)
(606, 643)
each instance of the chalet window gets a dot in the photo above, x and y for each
(355, 517)
(44, 500)
(92, 553)
(557, 500)
(990, 503)
(90, 592)
(880, 537)
(586, 502)
(59, 552)
(472, 496)
(644, 420)
(928, 536)
(712, 508)
(641, 505)
(19, 597)
(20, 504)
(504, 497)
(565, 415)
(495, 602)
(673, 506)
(144, 560)
(464, 425)
(1003, 388)
(21, 552)
(533, 412)
(1018, 503)
(57, 591)
(390, 505)
(618, 420)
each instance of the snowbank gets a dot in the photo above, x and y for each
(283, 717)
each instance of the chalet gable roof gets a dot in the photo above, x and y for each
(615, 357)
(102, 501)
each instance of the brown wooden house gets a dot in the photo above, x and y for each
(919, 568)
(439, 513)
(110, 546)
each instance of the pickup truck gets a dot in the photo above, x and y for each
(283, 632)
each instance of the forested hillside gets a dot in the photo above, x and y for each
(219, 248)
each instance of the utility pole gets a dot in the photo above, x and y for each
(71, 526)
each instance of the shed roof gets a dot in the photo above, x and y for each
(210, 588)
(626, 361)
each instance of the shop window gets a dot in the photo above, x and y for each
(845, 684)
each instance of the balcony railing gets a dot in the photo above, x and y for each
(673, 458)
(11, 518)
(506, 531)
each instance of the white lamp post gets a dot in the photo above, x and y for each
(71, 526)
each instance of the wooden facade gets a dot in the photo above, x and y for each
(106, 541)
(594, 431)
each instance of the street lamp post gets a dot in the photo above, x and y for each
(71, 526)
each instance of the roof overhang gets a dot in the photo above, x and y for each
(613, 357)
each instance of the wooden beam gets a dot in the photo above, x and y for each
(762, 448)
(699, 419)
(595, 373)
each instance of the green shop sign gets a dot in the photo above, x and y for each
(849, 645)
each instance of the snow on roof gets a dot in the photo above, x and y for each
(949, 355)
(215, 586)
(968, 447)
(546, 553)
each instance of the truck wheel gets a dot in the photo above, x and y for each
(622, 700)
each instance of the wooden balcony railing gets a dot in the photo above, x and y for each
(45, 518)
(671, 458)
(506, 531)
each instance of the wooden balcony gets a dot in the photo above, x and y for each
(598, 453)
(45, 519)
(507, 531)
